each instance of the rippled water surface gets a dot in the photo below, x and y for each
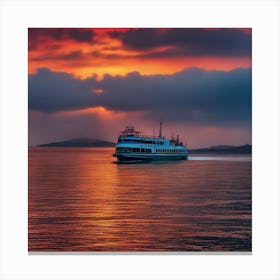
(80, 200)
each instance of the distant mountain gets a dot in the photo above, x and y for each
(88, 142)
(79, 142)
(245, 149)
(220, 147)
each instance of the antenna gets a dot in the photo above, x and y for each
(160, 129)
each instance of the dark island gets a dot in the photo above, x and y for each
(245, 149)
(79, 142)
(88, 142)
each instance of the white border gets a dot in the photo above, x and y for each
(262, 16)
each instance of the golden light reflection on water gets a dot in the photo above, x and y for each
(79, 200)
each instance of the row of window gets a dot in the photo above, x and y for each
(141, 141)
(169, 151)
(135, 150)
(143, 150)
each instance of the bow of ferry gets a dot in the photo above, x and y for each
(133, 146)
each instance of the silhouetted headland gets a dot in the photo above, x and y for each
(79, 142)
(88, 142)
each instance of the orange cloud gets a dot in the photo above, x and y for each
(87, 52)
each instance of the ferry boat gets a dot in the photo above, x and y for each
(133, 146)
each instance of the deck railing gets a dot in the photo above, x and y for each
(141, 136)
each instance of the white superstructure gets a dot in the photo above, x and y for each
(132, 145)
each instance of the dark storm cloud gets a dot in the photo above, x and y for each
(80, 35)
(193, 95)
(38, 35)
(188, 41)
(50, 92)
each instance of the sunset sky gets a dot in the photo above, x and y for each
(92, 82)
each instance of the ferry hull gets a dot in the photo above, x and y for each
(155, 157)
(132, 146)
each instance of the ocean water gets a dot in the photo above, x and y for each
(80, 200)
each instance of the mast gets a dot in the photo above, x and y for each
(160, 129)
(177, 139)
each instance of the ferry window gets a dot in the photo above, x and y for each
(136, 150)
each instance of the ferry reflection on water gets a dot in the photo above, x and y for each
(133, 146)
